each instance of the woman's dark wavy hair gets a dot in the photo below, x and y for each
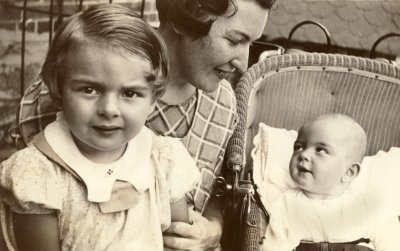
(112, 27)
(184, 14)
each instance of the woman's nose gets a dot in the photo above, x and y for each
(241, 61)
(108, 106)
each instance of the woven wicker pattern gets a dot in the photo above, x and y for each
(291, 89)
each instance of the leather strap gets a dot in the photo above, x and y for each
(327, 246)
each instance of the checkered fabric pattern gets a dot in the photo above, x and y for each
(206, 140)
(208, 136)
(173, 120)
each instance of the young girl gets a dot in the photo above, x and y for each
(96, 178)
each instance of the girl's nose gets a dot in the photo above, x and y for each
(108, 107)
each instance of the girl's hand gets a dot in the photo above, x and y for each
(202, 234)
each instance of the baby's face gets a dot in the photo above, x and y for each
(319, 159)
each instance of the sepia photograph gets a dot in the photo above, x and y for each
(200, 125)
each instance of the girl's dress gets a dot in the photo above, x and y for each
(210, 121)
(159, 168)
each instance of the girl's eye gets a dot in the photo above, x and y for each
(130, 94)
(89, 90)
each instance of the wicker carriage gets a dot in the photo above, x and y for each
(287, 90)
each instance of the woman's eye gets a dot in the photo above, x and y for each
(130, 94)
(233, 42)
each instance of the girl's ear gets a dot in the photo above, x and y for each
(351, 173)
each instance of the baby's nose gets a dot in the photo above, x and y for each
(305, 155)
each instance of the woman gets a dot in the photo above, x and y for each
(207, 41)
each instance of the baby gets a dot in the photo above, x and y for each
(323, 207)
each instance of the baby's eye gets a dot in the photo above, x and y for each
(130, 94)
(321, 150)
(297, 147)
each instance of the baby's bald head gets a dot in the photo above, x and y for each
(346, 129)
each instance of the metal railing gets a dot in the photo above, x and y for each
(59, 14)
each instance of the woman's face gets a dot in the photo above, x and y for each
(203, 62)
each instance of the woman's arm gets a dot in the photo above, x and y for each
(36, 232)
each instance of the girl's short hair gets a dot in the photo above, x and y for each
(110, 25)
(185, 14)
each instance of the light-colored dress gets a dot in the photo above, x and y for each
(31, 183)
(346, 218)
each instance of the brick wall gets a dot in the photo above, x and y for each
(354, 24)
(11, 17)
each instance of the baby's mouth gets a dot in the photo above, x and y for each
(302, 169)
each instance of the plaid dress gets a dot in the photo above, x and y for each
(206, 136)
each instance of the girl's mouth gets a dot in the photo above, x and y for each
(106, 129)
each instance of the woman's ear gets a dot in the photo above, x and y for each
(175, 29)
(351, 173)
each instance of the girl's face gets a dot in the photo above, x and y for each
(203, 62)
(106, 98)
(320, 159)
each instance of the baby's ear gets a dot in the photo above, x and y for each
(351, 173)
